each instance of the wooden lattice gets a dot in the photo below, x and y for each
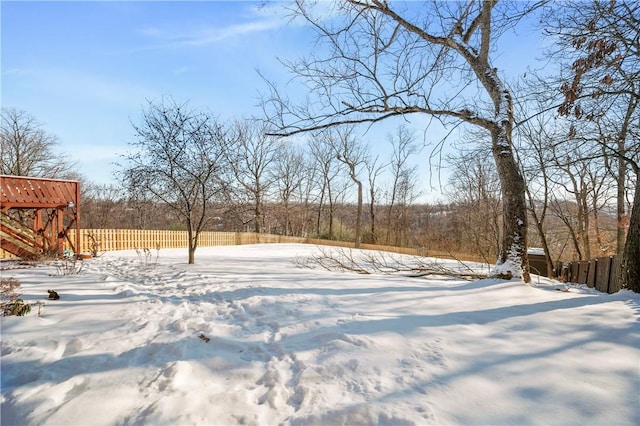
(37, 214)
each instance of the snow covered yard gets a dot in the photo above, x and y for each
(246, 337)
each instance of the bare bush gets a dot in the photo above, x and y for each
(146, 257)
(95, 245)
(368, 262)
(10, 301)
(67, 266)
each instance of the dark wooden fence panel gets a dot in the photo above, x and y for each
(538, 264)
(573, 272)
(614, 278)
(591, 273)
(583, 270)
(601, 273)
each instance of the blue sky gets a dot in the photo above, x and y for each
(85, 69)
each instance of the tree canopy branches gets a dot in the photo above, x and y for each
(384, 60)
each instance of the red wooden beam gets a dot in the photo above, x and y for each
(58, 199)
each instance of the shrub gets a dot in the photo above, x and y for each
(95, 245)
(10, 301)
(68, 266)
(146, 257)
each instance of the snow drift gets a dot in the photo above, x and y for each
(246, 337)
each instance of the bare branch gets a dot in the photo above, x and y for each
(372, 262)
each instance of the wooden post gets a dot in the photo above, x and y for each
(58, 231)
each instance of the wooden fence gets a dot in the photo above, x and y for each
(601, 273)
(101, 240)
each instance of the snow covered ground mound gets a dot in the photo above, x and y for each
(246, 337)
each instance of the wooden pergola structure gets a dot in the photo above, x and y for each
(36, 215)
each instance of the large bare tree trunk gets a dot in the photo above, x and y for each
(387, 62)
(513, 258)
(630, 269)
(513, 253)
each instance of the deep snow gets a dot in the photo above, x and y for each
(246, 337)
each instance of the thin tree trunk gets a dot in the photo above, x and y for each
(257, 210)
(583, 217)
(359, 217)
(596, 228)
(319, 216)
(192, 245)
(620, 200)
(390, 209)
(622, 175)
(331, 208)
(543, 238)
(372, 213)
(576, 243)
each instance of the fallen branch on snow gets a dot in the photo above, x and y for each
(367, 262)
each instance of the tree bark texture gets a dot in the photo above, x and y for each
(386, 62)
(630, 269)
(513, 254)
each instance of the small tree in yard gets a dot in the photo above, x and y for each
(177, 161)
(391, 59)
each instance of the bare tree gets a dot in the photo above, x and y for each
(325, 162)
(602, 57)
(475, 192)
(630, 267)
(573, 180)
(388, 59)
(288, 174)
(536, 136)
(102, 207)
(374, 170)
(618, 164)
(308, 196)
(402, 176)
(251, 157)
(352, 153)
(28, 150)
(177, 161)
